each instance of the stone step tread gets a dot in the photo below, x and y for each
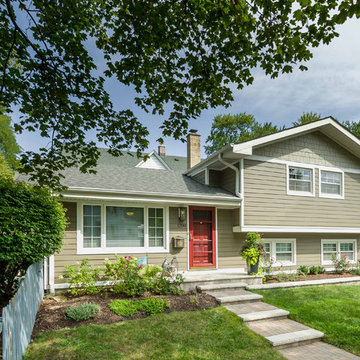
(294, 337)
(246, 308)
(317, 350)
(260, 315)
(217, 277)
(238, 298)
(271, 327)
(230, 285)
(228, 292)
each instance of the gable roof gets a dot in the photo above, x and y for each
(122, 175)
(154, 161)
(328, 126)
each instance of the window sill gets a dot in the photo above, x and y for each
(327, 196)
(300, 193)
(327, 263)
(125, 251)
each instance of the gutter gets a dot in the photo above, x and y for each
(237, 185)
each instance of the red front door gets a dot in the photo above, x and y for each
(202, 242)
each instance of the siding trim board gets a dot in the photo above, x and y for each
(296, 229)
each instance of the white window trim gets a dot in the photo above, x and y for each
(273, 242)
(338, 242)
(300, 193)
(332, 196)
(121, 250)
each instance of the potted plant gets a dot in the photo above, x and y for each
(252, 250)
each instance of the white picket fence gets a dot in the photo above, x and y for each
(18, 317)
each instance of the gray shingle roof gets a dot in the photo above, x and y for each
(121, 174)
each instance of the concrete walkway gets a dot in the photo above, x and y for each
(294, 340)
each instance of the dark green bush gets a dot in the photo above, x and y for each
(302, 270)
(82, 312)
(315, 270)
(128, 307)
(32, 222)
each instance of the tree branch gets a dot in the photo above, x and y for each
(7, 62)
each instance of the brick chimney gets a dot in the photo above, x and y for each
(161, 150)
(193, 148)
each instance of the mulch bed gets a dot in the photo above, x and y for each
(271, 280)
(51, 314)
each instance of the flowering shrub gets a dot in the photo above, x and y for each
(82, 278)
(268, 266)
(167, 283)
(124, 273)
(342, 264)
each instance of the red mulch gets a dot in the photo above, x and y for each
(313, 277)
(51, 314)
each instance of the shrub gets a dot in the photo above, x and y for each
(341, 265)
(167, 283)
(315, 270)
(82, 278)
(82, 312)
(32, 222)
(302, 270)
(128, 307)
(153, 305)
(151, 271)
(281, 277)
(124, 307)
(132, 285)
(356, 270)
(124, 272)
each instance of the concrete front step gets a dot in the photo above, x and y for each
(235, 299)
(192, 280)
(295, 338)
(221, 286)
(262, 315)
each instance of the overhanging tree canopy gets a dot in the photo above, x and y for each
(184, 54)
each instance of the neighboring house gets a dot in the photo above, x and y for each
(300, 188)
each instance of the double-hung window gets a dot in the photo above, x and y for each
(300, 181)
(337, 249)
(121, 229)
(281, 251)
(331, 184)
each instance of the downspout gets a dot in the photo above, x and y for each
(237, 184)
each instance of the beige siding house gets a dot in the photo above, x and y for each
(300, 188)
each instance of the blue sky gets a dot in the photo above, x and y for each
(331, 86)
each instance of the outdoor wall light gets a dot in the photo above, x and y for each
(181, 213)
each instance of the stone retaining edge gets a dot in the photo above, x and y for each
(290, 284)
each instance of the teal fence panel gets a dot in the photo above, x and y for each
(19, 316)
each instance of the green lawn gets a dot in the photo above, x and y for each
(332, 309)
(206, 334)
